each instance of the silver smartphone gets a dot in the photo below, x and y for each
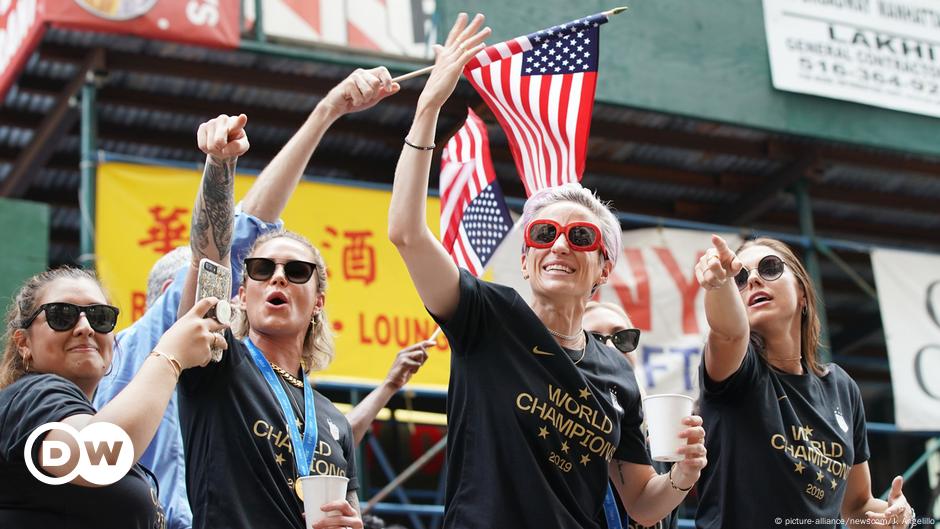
(214, 280)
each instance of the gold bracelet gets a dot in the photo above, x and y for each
(673, 483)
(174, 363)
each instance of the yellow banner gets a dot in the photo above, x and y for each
(144, 211)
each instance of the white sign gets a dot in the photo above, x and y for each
(106, 453)
(389, 27)
(654, 281)
(884, 53)
(909, 297)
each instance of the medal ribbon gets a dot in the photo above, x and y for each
(303, 448)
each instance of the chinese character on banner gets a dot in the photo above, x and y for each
(359, 257)
(167, 231)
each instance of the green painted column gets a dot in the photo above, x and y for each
(89, 146)
(811, 260)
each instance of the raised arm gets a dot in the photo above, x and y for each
(407, 362)
(361, 90)
(433, 272)
(727, 319)
(223, 139)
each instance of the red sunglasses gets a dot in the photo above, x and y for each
(581, 236)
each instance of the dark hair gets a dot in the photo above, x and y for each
(810, 327)
(25, 303)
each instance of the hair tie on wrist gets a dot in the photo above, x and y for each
(419, 147)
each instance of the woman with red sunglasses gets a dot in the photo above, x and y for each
(60, 343)
(770, 405)
(540, 413)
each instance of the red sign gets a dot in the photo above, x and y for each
(201, 22)
(21, 28)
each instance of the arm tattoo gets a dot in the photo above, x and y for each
(353, 500)
(623, 480)
(213, 214)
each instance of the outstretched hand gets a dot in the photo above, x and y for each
(717, 265)
(463, 42)
(898, 514)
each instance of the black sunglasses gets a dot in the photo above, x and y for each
(262, 268)
(63, 316)
(770, 268)
(625, 340)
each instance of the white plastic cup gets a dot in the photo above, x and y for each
(664, 414)
(318, 491)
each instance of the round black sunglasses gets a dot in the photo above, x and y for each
(770, 268)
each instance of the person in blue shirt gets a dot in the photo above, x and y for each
(258, 213)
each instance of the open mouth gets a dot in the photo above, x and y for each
(757, 298)
(277, 299)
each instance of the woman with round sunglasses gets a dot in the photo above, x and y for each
(787, 432)
(252, 424)
(60, 343)
(539, 412)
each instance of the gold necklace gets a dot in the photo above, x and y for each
(291, 379)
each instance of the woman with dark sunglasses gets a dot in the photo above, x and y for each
(787, 432)
(611, 325)
(252, 424)
(60, 343)
(539, 412)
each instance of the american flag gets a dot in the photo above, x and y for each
(541, 89)
(474, 216)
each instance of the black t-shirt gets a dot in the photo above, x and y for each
(779, 445)
(26, 502)
(669, 522)
(240, 468)
(530, 433)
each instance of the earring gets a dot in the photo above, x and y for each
(316, 319)
(26, 363)
(804, 310)
(110, 369)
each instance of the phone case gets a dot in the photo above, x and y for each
(214, 280)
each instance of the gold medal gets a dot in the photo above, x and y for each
(298, 489)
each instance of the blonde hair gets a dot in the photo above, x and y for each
(810, 327)
(318, 350)
(24, 305)
(613, 307)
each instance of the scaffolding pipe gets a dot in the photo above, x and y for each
(88, 165)
(805, 210)
(407, 473)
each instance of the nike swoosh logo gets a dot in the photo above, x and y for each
(535, 350)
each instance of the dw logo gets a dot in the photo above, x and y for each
(105, 453)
